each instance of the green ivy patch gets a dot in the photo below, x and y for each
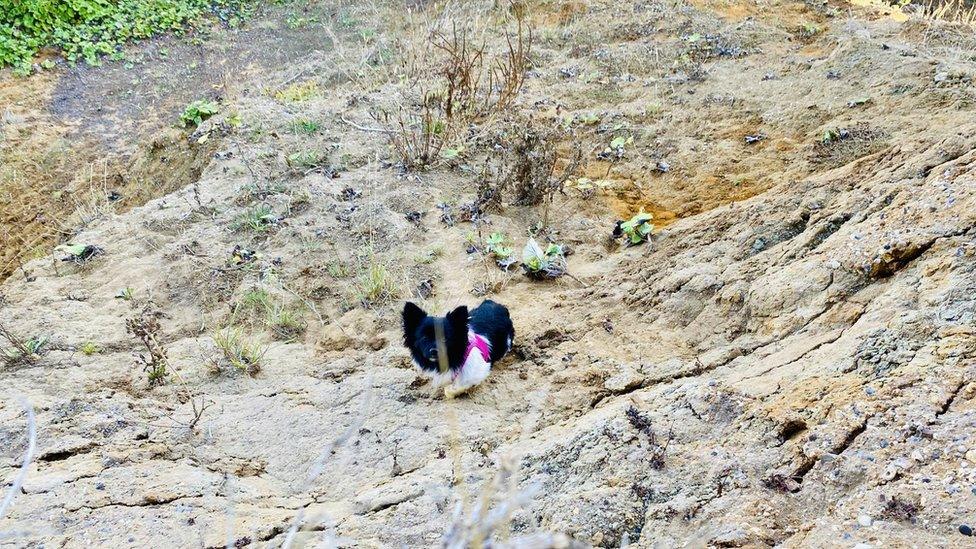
(88, 30)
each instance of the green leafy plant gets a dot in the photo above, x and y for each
(809, 30)
(195, 113)
(79, 253)
(87, 30)
(543, 264)
(637, 229)
(22, 350)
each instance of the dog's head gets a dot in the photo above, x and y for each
(419, 335)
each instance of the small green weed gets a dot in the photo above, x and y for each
(495, 246)
(89, 348)
(305, 126)
(337, 269)
(308, 159)
(286, 322)
(125, 294)
(195, 113)
(22, 350)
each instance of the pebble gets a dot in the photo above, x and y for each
(965, 530)
(865, 520)
(971, 456)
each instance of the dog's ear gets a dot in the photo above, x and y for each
(412, 317)
(458, 318)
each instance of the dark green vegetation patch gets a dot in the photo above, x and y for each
(90, 29)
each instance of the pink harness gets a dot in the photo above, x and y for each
(475, 341)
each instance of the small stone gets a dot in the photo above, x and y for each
(965, 530)
(865, 520)
(971, 456)
(863, 546)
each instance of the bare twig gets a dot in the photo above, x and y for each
(364, 128)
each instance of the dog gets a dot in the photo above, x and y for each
(473, 341)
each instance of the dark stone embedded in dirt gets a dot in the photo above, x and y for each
(349, 194)
(425, 289)
(414, 217)
(662, 166)
(965, 530)
(833, 75)
(241, 255)
(114, 196)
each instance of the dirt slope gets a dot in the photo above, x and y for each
(789, 362)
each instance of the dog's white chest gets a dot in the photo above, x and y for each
(474, 370)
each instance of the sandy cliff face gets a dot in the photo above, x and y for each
(788, 362)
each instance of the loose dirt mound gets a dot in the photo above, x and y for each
(788, 362)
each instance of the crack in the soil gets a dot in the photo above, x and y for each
(808, 464)
(154, 503)
(952, 398)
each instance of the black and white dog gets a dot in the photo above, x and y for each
(473, 341)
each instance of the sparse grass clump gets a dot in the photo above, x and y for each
(258, 306)
(308, 159)
(300, 91)
(238, 351)
(374, 282)
(286, 322)
(259, 219)
(305, 126)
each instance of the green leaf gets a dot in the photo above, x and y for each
(618, 142)
(75, 249)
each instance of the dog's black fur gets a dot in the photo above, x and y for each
(489, 320)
